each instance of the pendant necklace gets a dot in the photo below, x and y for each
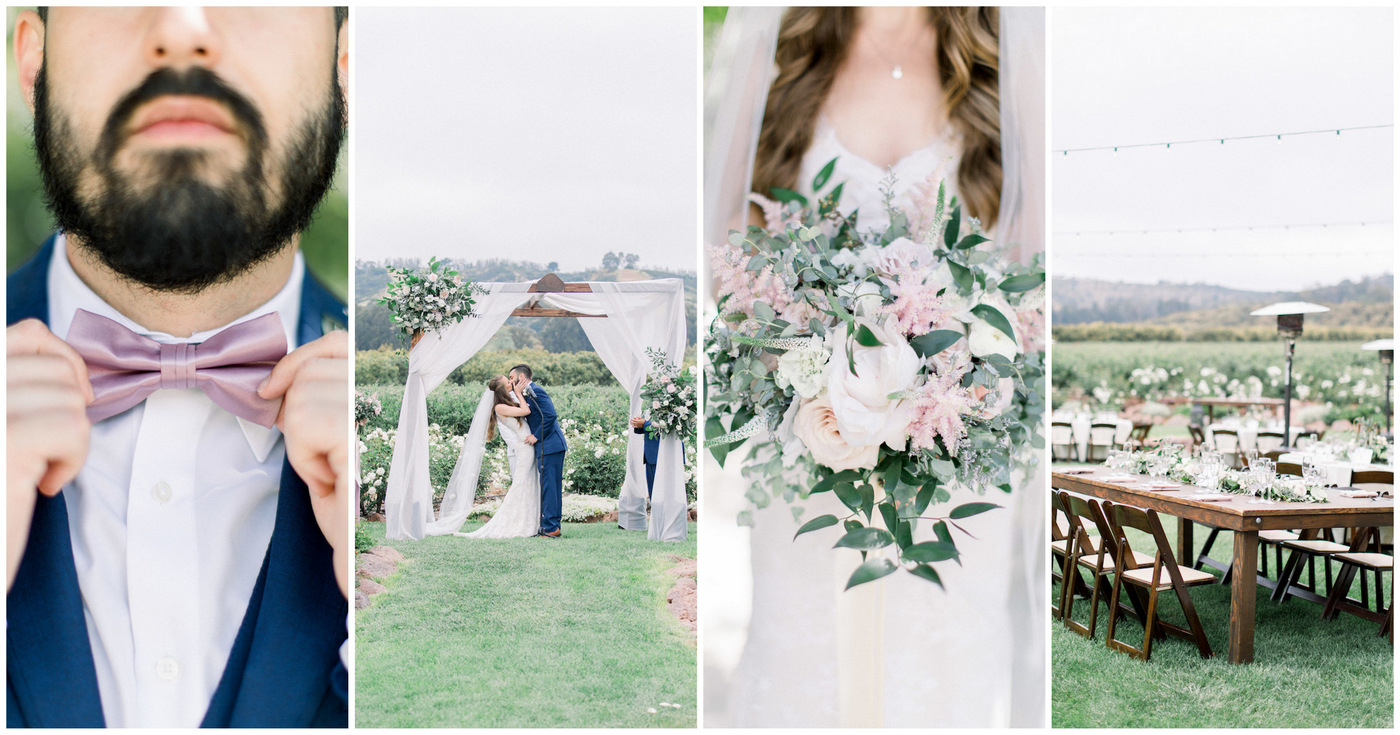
(897, 71)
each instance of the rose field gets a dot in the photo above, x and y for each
(1338, 380)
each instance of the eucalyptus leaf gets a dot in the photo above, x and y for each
(950, 233)
(787, 195)
(849, 495)
(927, 572)
(871, 571)
(993, 316)
(763, 311)
(961, 275)
(831, 480)
(867, 338)
(930, 551)
(865, 538)
(967, 510)
(888, 514)
(715, 428)
(823, 175)
(1023, 282)
(934, 342)
(972, 241)
(817, 523)
(904, 534)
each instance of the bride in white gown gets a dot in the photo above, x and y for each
(850, 85)
(519, 514)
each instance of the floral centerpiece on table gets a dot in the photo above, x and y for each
(668, 396)
(1170, 462)
(422, 301)
(883, 367)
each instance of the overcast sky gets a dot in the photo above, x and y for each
(1125, 76)
(552, 134)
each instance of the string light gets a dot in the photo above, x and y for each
(1167, 145)
(1250, 228)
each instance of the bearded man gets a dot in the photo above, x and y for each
(177, 392)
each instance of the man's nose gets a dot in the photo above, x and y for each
(181, 37)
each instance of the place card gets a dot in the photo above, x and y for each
(1210, 498)
(1359, 493)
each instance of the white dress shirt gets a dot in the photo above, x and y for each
(170, 519)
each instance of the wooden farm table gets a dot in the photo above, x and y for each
(1237, 515)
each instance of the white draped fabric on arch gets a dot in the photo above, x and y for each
(639, 315)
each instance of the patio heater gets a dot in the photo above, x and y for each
(1290, 327)
(1386, 348)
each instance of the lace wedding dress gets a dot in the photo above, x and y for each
(519, 514)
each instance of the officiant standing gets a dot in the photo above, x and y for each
(178, 414)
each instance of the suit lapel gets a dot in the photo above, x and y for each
(280, 667)
(320, 311)
(52, 679)
(27, 289)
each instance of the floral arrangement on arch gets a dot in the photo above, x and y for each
(668, 397)
(884, 366)
(422, 301)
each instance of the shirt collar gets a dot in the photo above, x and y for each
(68, 293)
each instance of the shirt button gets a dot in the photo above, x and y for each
(167, 669)
(161, 492)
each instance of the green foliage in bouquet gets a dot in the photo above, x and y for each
(882, 366)
(426, 301)
(668, 398)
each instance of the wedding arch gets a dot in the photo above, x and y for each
(622, 320)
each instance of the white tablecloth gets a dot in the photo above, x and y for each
(1248, 435)
(1081, 426)
(1338, 471)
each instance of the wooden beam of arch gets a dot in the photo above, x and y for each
(552, 283)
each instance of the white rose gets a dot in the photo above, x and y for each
(984, 339)
(860, 399)
(817, 427)
(864, 296)
(803, 370)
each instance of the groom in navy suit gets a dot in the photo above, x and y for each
(182, 559)
(550, 448)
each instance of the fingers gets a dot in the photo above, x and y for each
(32, 338)
(335, 345)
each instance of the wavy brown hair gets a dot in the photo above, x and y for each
(500, 385)
(812, 44)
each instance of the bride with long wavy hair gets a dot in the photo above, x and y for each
(900, 98)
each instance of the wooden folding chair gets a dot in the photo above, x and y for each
(1161, 575)
(1362, 561)
(1096, 554)
(1268, 441)
(1227, 442)
(1059, 548)
(1289, 468)
(1198, 435)
(1062, 448)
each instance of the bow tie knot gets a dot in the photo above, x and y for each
(126, 367)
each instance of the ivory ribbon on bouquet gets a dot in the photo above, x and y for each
(860, 651)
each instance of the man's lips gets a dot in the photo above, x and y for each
(180, 118)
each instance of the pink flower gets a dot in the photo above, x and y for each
(730, 267)
(776, 216)
(938, 412)
(1031, 325)
(917, 309)
(816, 426)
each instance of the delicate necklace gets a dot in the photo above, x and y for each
(897, 72)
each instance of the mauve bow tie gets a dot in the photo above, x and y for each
(126, 367)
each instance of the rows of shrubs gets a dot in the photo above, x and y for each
(1112, 332)
(594, 420)
(386, 366)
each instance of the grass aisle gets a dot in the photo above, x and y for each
(1306, 672)
(526, 633)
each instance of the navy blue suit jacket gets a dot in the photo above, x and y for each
(651, 445)
(544, 423)
(284, 669)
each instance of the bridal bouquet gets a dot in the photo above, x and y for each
(428, 300)
(884, 367)
(669, 397)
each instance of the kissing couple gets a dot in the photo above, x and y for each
(524, 417)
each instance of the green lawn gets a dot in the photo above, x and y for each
(526, 632)
(1306, 672)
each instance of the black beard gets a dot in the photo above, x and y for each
(181, 234)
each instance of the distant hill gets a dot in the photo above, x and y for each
(373, 327)
(1084, 300)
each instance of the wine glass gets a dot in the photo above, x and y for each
(1313, 475)
(1261, 474)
